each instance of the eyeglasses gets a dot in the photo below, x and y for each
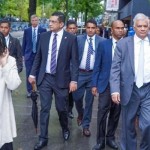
(53, 21)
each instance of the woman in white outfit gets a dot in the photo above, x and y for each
(9, 80)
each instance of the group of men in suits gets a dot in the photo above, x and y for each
(65, 63)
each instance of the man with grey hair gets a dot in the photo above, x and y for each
(29, 46)
(130, 83)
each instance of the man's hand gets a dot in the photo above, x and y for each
(31, 80)
(116, 98)
(94, 91)
(72, 86)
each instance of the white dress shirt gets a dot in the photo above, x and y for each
(59, 38)
(7, 40)
(36, 31)
(137, 43)
(84, 56)
(114, 43)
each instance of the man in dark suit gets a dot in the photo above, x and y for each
(29, 47)
(87, 47)
(130, 84)
(100, 84)
(57, 51)
(71, 27)
(13, 44)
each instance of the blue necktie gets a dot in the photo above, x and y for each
(90, 52)
(140, 71)
(34, 41)
(53, 55)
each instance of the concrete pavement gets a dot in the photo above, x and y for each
(27, 137)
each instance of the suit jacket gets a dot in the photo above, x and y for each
(15, 51)
(122, 75)
(81, 39)
(68, 54)
(102, 66)
(27, 44)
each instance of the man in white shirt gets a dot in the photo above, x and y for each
(87, 47)
(57, 51)
(130, 84)
(100, 84)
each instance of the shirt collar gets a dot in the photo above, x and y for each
(114, 41)
(93, 37)
(35, 28)
(138, 40)
(59, 33)
(7, 37)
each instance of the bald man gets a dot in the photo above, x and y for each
(100, 84)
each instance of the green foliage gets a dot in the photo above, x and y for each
(19, 8)
(14, 8)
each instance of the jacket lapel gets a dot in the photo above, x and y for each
(131, 52)
(47, 40)
(96, 43)
(81, 46)
(10, 42)
(109, 47)
(62, 43)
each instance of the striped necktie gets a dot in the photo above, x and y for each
(34, 40)
(53, 55)
(90, 52)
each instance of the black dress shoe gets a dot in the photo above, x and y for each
(99, 146)
(112, 144)
(66, 134)
(40, 145)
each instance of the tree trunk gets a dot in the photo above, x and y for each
(32, 8)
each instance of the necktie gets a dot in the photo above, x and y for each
(34, 41)
(140, 71)
(90, 51)
(53, 55)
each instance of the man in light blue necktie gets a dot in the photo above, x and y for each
(29, 47)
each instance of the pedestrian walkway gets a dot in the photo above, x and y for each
(27, 136)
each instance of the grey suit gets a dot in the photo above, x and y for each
(133, 99)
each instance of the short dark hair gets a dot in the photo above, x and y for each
(5, 21)
(69, 22)
(2, 43)
(60, 15)
(112, 24)
(91, 21)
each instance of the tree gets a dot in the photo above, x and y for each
(32, 7)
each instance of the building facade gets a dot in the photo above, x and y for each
(129, 8)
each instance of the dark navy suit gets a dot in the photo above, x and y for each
(84, 84)
(27, 51)
(100, 80)
(57, 83)
(15, 51)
